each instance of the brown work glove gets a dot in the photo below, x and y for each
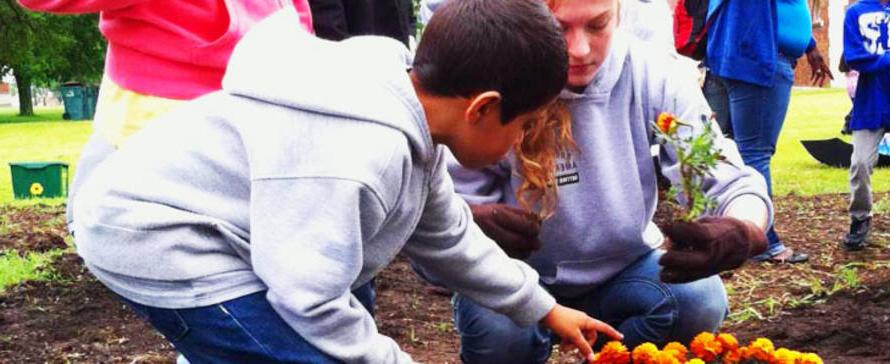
(514, 229)
(709, 246)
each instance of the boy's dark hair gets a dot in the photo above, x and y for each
(514, 47)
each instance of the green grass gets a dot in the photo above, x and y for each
(10, 115)
(814, 114)
(38, 141)
(32, 267)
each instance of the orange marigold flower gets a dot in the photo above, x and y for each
(761, 349)
(784, 356)
(613, 353)
(745, 353)
(729, 342)
(678, 350)
(732, 356)
(809, 358)
(644, 353)
(666, 122)
(706, 347)
(695, 361)
(664, 357)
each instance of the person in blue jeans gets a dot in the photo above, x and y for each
(751, 52)
(246, 224)
(600, 251)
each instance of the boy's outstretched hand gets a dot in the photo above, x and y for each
(577, 329)
(709, 246)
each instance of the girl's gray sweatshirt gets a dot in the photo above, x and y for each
(608, 188)
(304, 177)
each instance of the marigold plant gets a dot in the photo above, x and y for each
(677, 350)
(644, 353)
(705, 348)
(613, 353)
(696, 155)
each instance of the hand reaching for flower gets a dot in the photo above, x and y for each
(577, 329)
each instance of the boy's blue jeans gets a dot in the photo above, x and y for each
(635, 302)
(242, 330)
(756, 115)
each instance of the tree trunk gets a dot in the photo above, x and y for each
(23, 83)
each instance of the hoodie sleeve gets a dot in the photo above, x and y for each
(77, 6)
(306, 246)
(857, 56)
(729, 179)
(450, 248)
(482, 186)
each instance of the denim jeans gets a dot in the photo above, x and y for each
(635, 302)
(718, 100)
(756, 115)
(242, 330)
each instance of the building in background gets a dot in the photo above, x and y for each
(828, 29)
(5, 92)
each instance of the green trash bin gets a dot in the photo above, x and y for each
(91, 96)
(74, 98)
(39, 179)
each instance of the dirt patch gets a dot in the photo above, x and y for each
(74, 318)
(851, 327)
(32, 229)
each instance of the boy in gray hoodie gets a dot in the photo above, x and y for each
(600, 251)
(240, 224)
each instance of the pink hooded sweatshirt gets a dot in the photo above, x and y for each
(169, 48)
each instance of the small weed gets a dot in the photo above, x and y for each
(15, 268)
(444, 326)
(882, 206)
(745, 314)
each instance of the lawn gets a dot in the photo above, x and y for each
(43, 138)
(10, 115)
(814, 114)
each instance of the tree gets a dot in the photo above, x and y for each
(46, 50)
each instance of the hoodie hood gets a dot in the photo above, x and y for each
(361, 78)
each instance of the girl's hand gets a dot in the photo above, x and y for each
(577, 329)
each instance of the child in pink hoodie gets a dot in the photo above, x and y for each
(160, 54)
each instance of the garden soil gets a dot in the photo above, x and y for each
(73, 318)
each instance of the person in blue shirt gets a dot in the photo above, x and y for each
(751, 51)
(866, 50)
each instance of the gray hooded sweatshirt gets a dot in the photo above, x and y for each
(305, 176)
(608, 188)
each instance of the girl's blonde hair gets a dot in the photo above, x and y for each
(536, 153)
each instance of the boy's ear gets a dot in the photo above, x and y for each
(481, 104)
